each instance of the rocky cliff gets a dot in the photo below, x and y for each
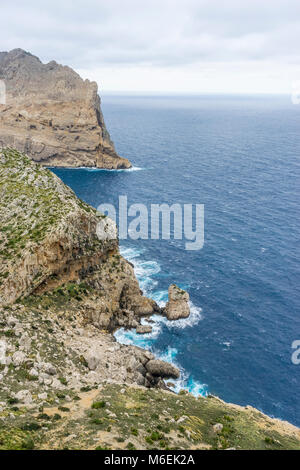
(53, 115)
(50, 238)
(65, 383)
(57, 258)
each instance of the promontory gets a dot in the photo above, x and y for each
(53, 115)
(65, 383)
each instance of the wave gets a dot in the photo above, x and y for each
(95, 169)
(144, 271)
(120, 170)
(185, 381)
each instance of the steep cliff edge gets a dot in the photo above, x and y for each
(53, 115)
(57, 259)
(64, 380)
(50, 238)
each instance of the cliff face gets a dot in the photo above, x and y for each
(53, 115)
(50, 238)
(58, 260)
(64, 380)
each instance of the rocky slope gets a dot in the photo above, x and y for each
(56, 258)
(53, 115)
(64, 380)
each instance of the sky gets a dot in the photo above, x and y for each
(163, 46)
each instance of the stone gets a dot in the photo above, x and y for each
(178, 304)
(25, 342)
(33, 372)
(159, 368)
(50, 369)
(143, 329)
(93, 359)
(11, 321)
(24, 396)
(18, 358)
(218, 427)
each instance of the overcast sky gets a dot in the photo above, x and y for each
(194, 46)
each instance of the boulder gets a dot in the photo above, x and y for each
(24, 396)
(25, 342)
(93, 359)
(50, 369)
(159, 368)
(218, 427)
(18, 358)
(178, 304)
(143, 329)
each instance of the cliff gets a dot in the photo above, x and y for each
(53, 115)
(56, 256)
(64, 380)
(50, 238)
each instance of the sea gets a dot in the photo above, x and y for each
(239, 157)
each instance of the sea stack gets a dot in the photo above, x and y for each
(53, 115)
(178, 305)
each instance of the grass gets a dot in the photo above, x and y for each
(126, 420)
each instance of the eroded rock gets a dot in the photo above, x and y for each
(143, 329)
(53, 115)
(178, 304)
(159, 368)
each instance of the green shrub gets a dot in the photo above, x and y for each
(98, 405)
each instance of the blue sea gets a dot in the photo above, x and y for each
(239, 156)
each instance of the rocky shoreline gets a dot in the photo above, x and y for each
(64, 380)
(69, 264)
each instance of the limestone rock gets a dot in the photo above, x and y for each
(53, 115)
(24, 396)
(50, 369)
(93, 359)
(162, 369)
(178, 304)
(218, 427)
(18, 358)
(43, 396)
(143, 329)
(25, 342)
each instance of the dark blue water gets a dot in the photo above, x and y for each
(238, 156)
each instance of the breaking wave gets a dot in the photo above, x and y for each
(145, 270)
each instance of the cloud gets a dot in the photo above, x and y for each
(155, 33)
(158, 32)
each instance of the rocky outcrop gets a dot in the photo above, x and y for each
(159, 368)
(53, 115)
(143, 329)
(49, 238)
(60, 257)
(178, 304)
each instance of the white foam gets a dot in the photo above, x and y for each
(94, 169)
(160, 297)
(144, 271)
(192, 320)
(130, 253)
(185, 381)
